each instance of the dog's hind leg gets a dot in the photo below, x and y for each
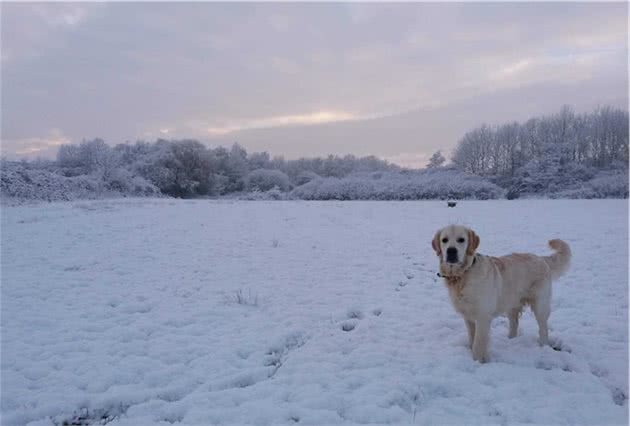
(542, 309)
(513, 316)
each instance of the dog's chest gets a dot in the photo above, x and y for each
(464, 301)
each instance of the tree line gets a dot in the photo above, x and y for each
(188, 168)
(564, 145)
(564, 154)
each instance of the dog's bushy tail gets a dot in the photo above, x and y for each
(560, 260)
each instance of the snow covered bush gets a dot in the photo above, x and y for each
(272, 194)
(20, 184)
(266, 179)
(409, 185)
(604, 185)
(305, 177)
(123, 181)
(548, 177)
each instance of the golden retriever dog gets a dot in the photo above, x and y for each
(483, 287)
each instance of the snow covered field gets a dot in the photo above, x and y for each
(219, 312)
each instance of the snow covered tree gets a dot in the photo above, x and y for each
(259, 160)
(236, 168)
(68, 156)
(536, 157)
(436, 160)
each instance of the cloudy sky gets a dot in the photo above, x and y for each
(395, 80)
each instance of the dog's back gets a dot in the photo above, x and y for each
(517, 266)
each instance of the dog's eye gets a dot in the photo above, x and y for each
(460, 240)
(445, 240)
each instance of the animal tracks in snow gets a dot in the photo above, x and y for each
(354, 316)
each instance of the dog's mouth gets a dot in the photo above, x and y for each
(453, 266)
(452, 262)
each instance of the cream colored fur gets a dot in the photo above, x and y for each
(483, 287)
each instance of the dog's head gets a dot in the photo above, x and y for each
(454, 244)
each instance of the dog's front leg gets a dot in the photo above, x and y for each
(482, 337)
(470, 326)
(513, 316)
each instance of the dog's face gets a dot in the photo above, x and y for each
(453, 243)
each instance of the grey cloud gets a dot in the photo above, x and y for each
(133, 70)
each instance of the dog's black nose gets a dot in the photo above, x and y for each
(451, 255)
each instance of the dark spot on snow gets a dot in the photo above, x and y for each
(547, 365)
(173, 419)
(348, 326)
(72, 268)
(244, 381)
(377, 312)
(294, 419)
(557, 345)
(599, 371)
(171, 395)
(355, 315)
(494, 412)
(619, 396)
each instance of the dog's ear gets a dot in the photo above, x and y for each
(436, 243)
(473, 242)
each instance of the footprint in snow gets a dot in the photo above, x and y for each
(349, 325)
(400, 285)
(549, 365)
(353, 317)
(619, 396)
(557, 345)
(354, 314)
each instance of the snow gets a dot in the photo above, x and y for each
(160, 311)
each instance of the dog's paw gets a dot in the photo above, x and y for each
(480, 358)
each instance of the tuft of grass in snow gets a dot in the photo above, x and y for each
(241, 297)
(87, 417)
